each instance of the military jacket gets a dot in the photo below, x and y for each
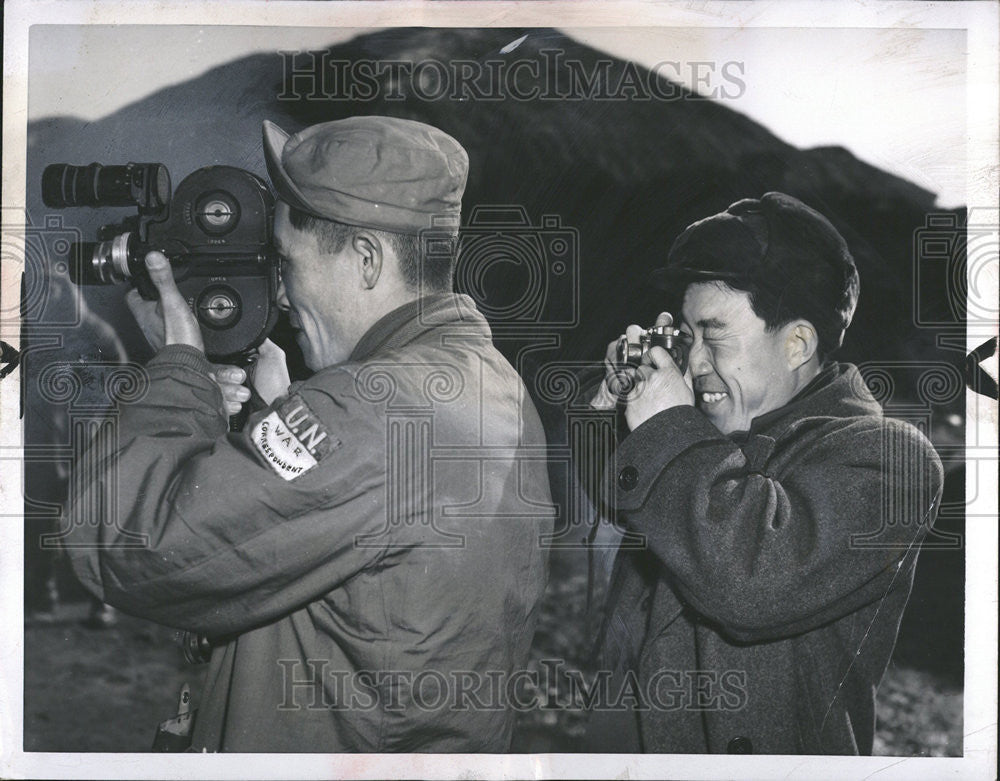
(365, 552)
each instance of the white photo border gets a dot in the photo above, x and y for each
(978, 19)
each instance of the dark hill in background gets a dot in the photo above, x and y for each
(630, 175)
(627, 175)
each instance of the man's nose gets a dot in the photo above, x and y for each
(698, 359)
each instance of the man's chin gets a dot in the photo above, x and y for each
(720, 418)
(716, 411)
(715, 419)
(728, 424)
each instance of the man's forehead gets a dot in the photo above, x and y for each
(714, 305)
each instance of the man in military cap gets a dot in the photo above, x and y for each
(365, 555)
(756, 619)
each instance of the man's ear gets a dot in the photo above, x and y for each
(370, 256)
(801, 343)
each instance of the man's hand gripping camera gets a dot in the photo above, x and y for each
(628, 353)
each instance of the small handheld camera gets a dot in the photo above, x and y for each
(216, 232)
(629, 354)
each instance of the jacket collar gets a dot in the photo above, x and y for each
(413, 319)
(838, 390)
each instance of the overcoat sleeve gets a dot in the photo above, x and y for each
(176, 520)
(770, 544)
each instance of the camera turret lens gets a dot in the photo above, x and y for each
(146, 185)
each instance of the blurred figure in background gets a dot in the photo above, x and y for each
(85, 351)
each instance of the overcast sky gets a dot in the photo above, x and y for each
(894, 97)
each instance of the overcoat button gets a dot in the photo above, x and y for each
(628, 478)
(740, 745)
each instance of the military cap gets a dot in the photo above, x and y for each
(370, 171)
(788, 252)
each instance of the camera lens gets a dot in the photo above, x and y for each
(217, 213)
(146, 185)
(101, 263)
(628, 352)
(218, 306)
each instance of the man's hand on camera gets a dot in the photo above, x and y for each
(230, 380)
(270, 374)
(168, 320)
(660, 385)
(618, 380)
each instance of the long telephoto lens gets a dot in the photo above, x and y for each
(146, 185)
(101, 262)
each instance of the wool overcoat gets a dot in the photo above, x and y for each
(758, 607)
